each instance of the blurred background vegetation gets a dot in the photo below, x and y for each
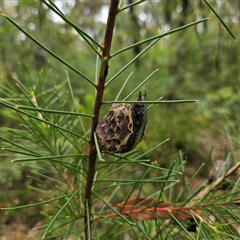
(201, 63)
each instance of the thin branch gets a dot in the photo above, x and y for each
(207, 189)
(113, 10)
(70, 187)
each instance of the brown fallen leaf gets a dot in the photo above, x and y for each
(137, 203)
(149, 209)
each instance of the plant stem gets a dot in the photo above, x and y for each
(113, 10)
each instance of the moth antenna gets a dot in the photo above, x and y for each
(139, 96)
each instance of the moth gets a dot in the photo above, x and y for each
(123, 127)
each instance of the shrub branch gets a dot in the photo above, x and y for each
(105, 56)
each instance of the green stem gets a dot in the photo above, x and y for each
(159, 36)
(153, 102)
(48, 50)
(52, 111)
(131, 5)
(85, 36)
(220, 19)
(42, 120)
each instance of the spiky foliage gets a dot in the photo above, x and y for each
(78, 183)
